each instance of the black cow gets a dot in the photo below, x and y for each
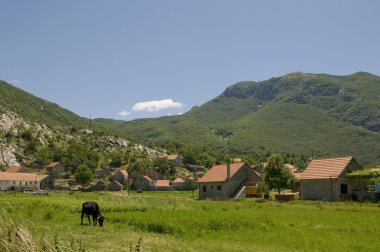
(92, 208)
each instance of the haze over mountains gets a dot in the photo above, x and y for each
(317, 114)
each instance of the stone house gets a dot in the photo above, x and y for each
(121, 176)
(154, 175)
(56, 168)
(175, 160)
(227, 180)
(144, 183)
(16, 169)
(114, 186)
(324, 179)
(11, 181)
(179, 184)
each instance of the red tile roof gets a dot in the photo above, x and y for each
(15, 169)
(178, 180)
(218, 173)
(52, 164)
(162, 183)
(325, 168)
(10, 176)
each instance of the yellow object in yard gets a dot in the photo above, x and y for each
(250, 190)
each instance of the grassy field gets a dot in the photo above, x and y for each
(174, 221)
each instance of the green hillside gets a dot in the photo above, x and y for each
(36, 109)
(317, 114)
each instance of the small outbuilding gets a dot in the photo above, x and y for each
(162, 185)
(325, 179)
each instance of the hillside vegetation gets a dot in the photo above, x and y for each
(315, 114)
(35, 132)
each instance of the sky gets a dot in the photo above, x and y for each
(125, 59)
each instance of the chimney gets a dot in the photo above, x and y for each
(228, 170)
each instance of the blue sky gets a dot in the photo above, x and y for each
(131, 59)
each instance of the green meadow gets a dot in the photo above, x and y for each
(175, 221)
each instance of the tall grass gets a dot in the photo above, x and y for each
(153, 222)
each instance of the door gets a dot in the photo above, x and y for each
(343, 189)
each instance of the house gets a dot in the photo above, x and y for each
(261, 168)
(121, 176)
(174, 159)
(162, 185)
(324, 179)
(56, 168)
(154, 175)
(227, 181)
(12, 181)
(144, 183)
(179, 184)
(16, 169)
(114, 186)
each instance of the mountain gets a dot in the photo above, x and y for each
(300, 113)
(34, 131)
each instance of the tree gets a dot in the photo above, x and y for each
(277, 176)
(164, 167)
(83, 174)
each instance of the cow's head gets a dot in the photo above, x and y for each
(100, 220)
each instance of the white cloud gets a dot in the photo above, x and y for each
(124, 113)
(153, 106)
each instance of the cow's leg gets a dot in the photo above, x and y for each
(89, 221)
(94, 220)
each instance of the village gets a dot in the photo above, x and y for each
(327, 179)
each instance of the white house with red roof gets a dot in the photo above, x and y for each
(324, 179)
(227, 180)
(11, 181)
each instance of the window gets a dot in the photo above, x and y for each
(212, 187)
(204, 188)
(14, 182)
(219, 187)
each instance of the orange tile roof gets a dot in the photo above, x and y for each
(325, 168)
(218, 173)
(178, 180)
(162, 183)
(10, 176)
(124, 172)
(14, 169)
(170, 157)
(147, 178)
(52, 164)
